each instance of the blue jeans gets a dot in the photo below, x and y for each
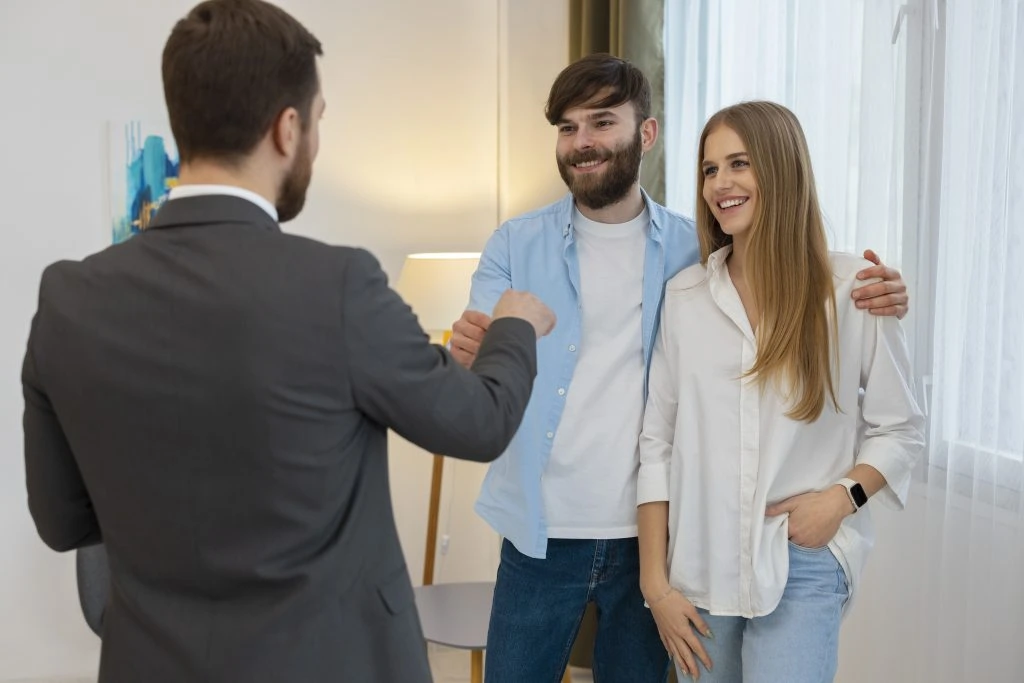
(538, 606)
(798, 642)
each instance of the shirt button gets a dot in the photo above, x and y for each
(551, 435)
(561, 392)
(572, 348)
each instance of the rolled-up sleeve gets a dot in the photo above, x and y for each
(658, 432)
(893, 438)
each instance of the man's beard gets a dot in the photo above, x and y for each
(292, 195)
(596, 191)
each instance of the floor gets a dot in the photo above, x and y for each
(452, 666)
(448, 665)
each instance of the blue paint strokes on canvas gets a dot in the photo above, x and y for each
(151, 170)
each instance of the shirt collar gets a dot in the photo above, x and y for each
(182, 191)
(717, 259)
(654, 210)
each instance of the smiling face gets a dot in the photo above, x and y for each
(729, 186)
(599, 152)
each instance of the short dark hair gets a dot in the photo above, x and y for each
(582, 80)
(230, 68)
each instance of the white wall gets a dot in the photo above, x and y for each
(942, 597)
(533, 48)
(421, 99)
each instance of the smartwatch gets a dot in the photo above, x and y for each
(855, 491)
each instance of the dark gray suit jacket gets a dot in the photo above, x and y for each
(211, 400)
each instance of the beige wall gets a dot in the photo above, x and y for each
(433, 130)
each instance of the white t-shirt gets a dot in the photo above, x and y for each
(589, 485)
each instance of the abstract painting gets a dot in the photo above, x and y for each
(144, 167)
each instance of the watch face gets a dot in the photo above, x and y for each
(859, 497)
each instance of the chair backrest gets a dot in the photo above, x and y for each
(93, 573)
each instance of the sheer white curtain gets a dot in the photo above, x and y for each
(978, 415)
(834, 64)
(915, 120)
(975, 607)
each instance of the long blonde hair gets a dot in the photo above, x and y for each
(787, 261)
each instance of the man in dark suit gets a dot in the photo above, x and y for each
(210, 399)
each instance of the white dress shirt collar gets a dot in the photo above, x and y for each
(183, 191)
(724, 292)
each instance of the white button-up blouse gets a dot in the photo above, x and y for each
(720, 449)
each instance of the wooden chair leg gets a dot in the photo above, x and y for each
(567, 676)
(476, 666)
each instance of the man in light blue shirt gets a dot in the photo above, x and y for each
(563, 495)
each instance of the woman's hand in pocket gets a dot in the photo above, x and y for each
(814, 518)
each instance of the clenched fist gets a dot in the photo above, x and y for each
(469, 330)
(513, 304)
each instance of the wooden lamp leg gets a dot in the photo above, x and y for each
(430, 549)
(433, 510)
(476, 666)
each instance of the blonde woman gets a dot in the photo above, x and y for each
(759, 451)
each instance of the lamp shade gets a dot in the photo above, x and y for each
(436, 287)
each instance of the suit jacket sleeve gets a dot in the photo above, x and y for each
(57, 498)
(402, 381)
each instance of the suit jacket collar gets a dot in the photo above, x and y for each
(211, 210)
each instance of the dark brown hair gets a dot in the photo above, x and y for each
(230, 68)
(582, 80)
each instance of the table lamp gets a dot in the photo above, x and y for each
(436, 287)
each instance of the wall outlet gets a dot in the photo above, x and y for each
(445, 542)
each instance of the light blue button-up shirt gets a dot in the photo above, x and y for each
(536, 252)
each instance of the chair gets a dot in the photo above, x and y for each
(452, 614)
(456, 615)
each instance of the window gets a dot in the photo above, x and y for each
(835, 64)
(914, 114)
(978, 242)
